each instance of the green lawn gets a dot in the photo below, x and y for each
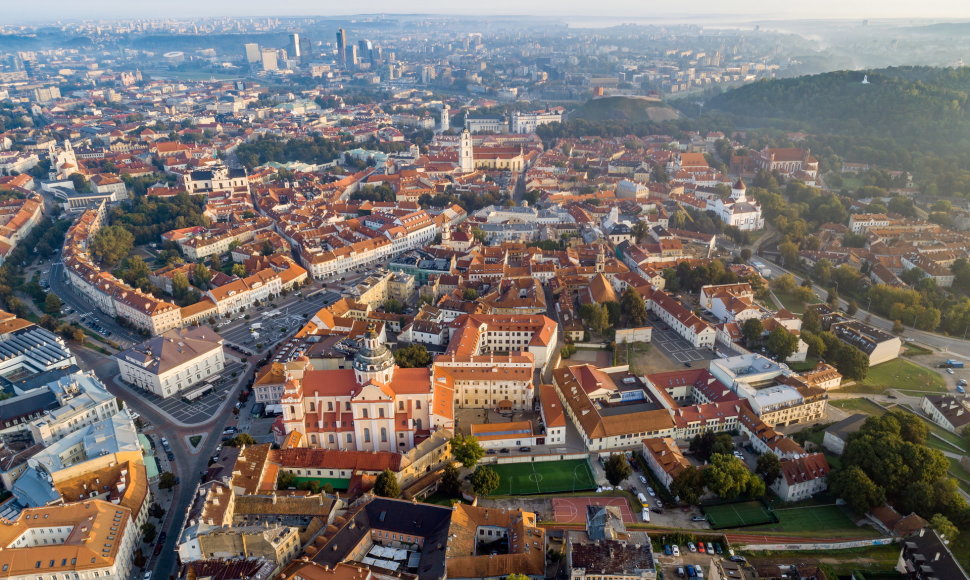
(788, 300)
(910, 349)
(859, 405)
(544, 477)
(822, 520)
(958, 471)
(800, 367)
(871, 560)
(898, 374)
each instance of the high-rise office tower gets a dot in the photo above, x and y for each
(353, 59)
(342, 46)
(295, 48)
(269, 58)
(252, 52)
(364, 50)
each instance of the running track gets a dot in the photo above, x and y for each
(734, 538)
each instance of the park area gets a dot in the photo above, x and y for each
(544, 477)
(738, 514)
(899, 374)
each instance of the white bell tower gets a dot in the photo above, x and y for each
(466, 154)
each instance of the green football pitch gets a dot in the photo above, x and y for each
(545, 477)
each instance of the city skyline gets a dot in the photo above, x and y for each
(54, 10)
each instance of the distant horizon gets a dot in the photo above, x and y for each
(50, 11)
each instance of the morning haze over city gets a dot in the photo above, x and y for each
(522, 291)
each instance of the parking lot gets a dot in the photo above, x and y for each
(678, 349)
(289, 317)
(201, 409)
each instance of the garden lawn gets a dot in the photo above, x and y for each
(898, 374)
(825, 520)
(788, 300)
(859, 405)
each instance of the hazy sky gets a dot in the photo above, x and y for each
(49, 10)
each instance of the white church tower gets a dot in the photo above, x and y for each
(466, 154)
(738, 191)
(445, 122)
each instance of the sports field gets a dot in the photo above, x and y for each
(736, 515)
(545, 477)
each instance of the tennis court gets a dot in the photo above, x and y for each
(544, 477)
(737, 515)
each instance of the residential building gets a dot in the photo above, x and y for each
(947, 411)
(925, 555)
(802, 477)
(471, 527)
(85, 540)
(664, 458)
(607, 550)
(82, 401)
(682, 320)
(610, 407)
(173, 362)
(837, 435)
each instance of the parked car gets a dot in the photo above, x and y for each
(676, 549)
(504, 450)
(680, 571)
(643, 480)
(700, 547)
(651, 492)
(691, 546)
(698, 519)
(525, 449)
(667, 550)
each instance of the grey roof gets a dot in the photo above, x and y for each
(39, 345)
(396, 516)
(847, 426)
(29, 403)
(38, 380)
(925, 554)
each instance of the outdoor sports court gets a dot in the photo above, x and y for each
(572, 510)
(740, 514)
(544, 477)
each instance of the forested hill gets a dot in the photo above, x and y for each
(920, 107)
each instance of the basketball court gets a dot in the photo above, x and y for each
(572, 510)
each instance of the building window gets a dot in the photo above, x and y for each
(364, 413)
(383, 434)
(380, 412)
(366, 435)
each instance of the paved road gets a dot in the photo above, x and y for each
(954, 346)
(189, 463)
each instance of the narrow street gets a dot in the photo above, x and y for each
(190, 464)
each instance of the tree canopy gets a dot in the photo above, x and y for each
(387, 485)
(466, 450)
(617, 468)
